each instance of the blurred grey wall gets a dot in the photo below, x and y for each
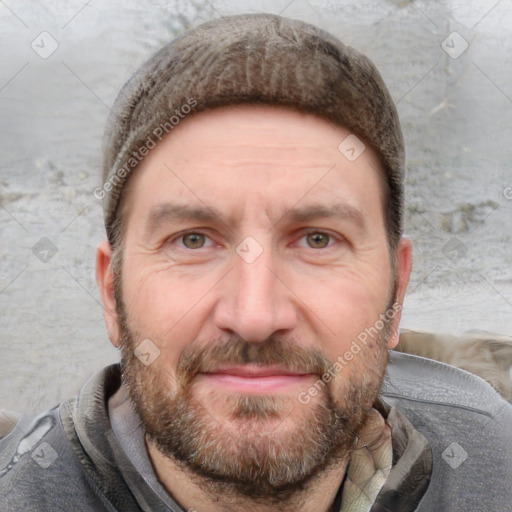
(447, 65)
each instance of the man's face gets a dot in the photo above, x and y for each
(255, 254)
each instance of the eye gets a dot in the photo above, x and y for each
(193, 240)
(317, 240)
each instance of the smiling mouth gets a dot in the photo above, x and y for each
(251, 378)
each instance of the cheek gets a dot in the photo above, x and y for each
(361, 360)
(343, 307)
(166, 308)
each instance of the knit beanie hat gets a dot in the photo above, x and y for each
(251, 58)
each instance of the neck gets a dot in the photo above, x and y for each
(195, 492)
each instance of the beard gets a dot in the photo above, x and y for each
(264, 447)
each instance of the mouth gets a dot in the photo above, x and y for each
(255, 379)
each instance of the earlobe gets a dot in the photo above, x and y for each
(105, 281)
(403, 258)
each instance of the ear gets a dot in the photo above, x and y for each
(105, 280)
(403, 258)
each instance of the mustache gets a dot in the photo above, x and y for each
(237, 351)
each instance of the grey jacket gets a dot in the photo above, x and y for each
(452, 449)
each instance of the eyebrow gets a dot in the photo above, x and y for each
(168, 212)
(318, 211)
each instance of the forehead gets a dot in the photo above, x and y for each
(275, 155)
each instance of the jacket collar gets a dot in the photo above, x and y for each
(410, 475)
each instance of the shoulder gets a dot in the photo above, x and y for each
(412, 378)
(40, 469)
(467, 425)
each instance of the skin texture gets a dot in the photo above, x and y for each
(295, 295)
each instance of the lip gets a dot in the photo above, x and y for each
(254, 370)
(255, 379)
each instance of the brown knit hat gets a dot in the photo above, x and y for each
(251, 58)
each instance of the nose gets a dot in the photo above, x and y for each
(255, 302)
